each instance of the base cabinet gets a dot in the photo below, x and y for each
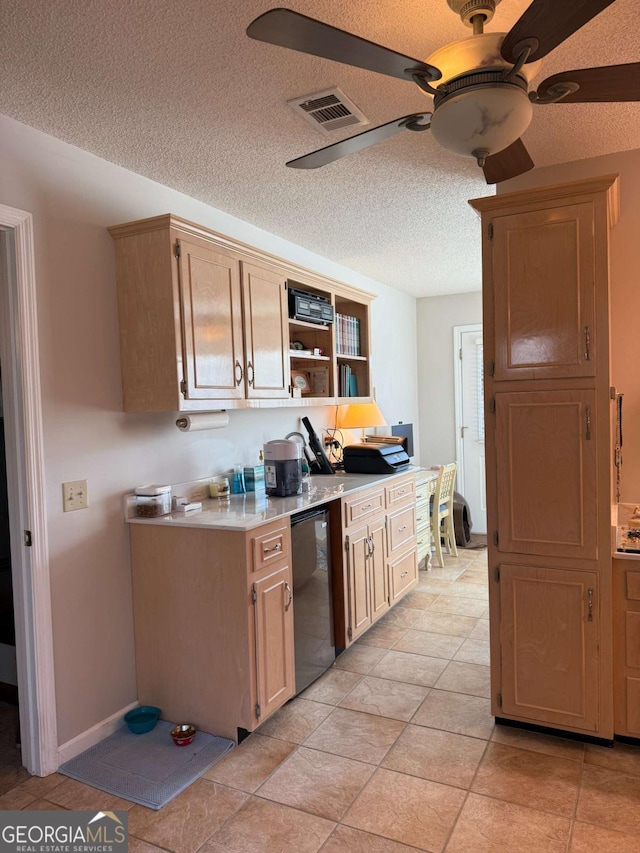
(626, 636)
(379, 555)
(549, 645)
(213, 623)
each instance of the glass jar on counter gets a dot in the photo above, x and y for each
(153, 501)
(219, 488)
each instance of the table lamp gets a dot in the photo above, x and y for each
(359, 416)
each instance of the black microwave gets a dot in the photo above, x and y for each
(309, 307)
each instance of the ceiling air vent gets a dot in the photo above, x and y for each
(328, 110)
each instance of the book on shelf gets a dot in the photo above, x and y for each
(348, 382)
(348, 335)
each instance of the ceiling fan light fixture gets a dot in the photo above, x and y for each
(486, 119)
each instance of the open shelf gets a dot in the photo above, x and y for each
(306, 356)
(342, 357)
(303, 324)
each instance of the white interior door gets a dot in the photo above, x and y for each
(470, 422)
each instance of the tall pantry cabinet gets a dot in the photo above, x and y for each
(547, 393)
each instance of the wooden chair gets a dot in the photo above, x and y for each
(442, 512)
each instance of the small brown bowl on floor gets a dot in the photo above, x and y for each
(183, 734)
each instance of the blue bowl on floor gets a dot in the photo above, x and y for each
(142, 719)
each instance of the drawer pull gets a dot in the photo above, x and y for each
(401, 491)
(402, 529)
(366, 506)
(277, 547)
(403, 575)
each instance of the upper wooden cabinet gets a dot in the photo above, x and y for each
(543, 268)
(547, 473)
(204, 324)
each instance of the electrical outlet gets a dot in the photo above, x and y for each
(74, 495)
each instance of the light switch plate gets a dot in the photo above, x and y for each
(74, 495)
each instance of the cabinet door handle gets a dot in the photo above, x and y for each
(277, 547)
(250, 376)
(290, 594)
(590, 604)
(587, 425)
(238, 367)
(403, 575)
(587, 343)
(373, 545)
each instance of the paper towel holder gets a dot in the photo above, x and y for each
(203, 420)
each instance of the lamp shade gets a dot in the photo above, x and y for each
(359, 416)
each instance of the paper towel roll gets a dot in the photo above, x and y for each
(204, 420)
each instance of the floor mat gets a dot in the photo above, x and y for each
(148, 769)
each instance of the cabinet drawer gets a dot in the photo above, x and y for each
(363, 507)
(403, 573)
(270, 544)
(633, 585)
(400, 492)
(423, 517)
(401, 528)
(423, 543)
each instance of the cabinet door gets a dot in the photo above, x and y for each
(378, 578)
(546, 473)
(266, 332)
(358, 582)
(275, 672)
(211, 307)
(549, 627)
(544, 294)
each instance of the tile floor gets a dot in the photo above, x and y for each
(393, 750)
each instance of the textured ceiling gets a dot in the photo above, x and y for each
(177, 92)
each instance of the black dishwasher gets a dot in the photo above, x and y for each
(312, 595)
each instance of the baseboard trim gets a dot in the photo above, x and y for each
(92, 736)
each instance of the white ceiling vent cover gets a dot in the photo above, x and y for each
(328, 110)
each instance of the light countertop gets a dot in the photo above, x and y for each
(244, 512)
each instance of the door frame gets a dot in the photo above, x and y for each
(27, 489)
(458, 331)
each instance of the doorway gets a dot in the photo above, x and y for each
(28, 545)
(469, 421)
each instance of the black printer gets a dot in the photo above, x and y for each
(370, 458)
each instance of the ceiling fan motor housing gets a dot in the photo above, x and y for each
(469, 9)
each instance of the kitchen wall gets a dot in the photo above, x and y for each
(437, 316)
(73, 197)
(625, 293)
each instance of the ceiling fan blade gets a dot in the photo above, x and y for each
(324, 156)
(298, 32)
(508, 163)
(596, 85)
(549, 22)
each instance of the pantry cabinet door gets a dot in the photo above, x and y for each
(546, 473)
(549, 625)
(544, 293)
(211, 311)
(266, 329)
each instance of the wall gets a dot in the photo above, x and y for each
(625, 293)
(437, 316)
(73, 197)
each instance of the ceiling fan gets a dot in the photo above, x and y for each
(481, 102)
